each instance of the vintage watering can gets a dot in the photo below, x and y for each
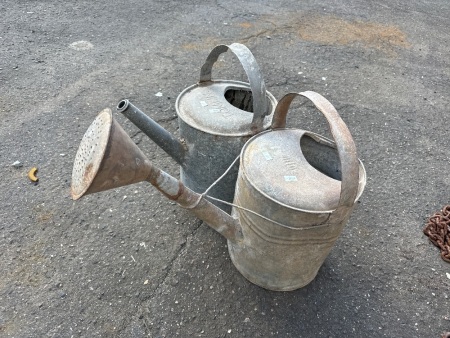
(216, 118)
(295, 192)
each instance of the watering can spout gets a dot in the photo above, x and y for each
(165, 140)
(107, 158)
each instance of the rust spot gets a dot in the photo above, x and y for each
(328, 29)
(88, 173)
(181, 189)
(153, 177)
(335, 31)
(175, 197)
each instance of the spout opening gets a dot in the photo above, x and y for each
(122, 105)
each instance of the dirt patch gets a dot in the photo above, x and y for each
(322, 29)
(335, 31)
(206, 43)
(245, 25)
(8, 327)
(29, 267)
(44, 217)
(42, 214)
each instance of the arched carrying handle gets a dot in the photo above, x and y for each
(253, 72)
(344, 142)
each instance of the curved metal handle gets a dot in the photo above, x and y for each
(253, 72)
(344, 142)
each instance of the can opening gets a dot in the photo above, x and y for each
(322, 157)
(239, 98)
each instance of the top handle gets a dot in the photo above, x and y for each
(254, 75)
(344, 143)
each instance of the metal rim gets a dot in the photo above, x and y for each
(273, 103)
(82, 174)
(361, 183)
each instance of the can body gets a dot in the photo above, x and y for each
(278, 256)
(214, 132)
(285, 244)
(208, 157)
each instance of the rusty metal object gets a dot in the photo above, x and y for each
(107, 158)
(216, 118)
(438, 231)
(294, 194)
(305, 186)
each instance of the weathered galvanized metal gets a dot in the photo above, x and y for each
(216, 118)
(305, 187)
(107, 158)
(295, 192)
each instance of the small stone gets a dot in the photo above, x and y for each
(146, 282)
(17, 164)
(159, 94)
(448, 275)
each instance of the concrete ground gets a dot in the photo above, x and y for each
(130, 263)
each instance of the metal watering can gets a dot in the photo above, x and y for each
(216, 118)
(295, 192)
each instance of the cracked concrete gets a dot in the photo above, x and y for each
(176, 256)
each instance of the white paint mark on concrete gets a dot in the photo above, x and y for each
(81, 45)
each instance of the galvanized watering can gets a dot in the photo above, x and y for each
(216, 118)
(294, 194)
